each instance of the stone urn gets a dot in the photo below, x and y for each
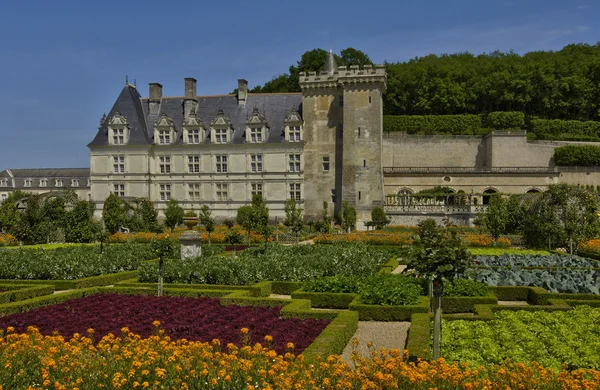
(190, 220)
(190, 239)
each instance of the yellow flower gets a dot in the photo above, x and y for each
(245, 330)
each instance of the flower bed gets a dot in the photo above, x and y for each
(201, 319)
(555, 339)
(216, 237)
(158, 362)
(378, 237)
(482, 240)
(72, 262)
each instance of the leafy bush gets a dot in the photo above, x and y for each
(72, 262)
(465, 288)
(506, 120)
(585, 155)
(509, 251)
(553, 339)
(334, 284)
(556, 128)
(535, 260)
(432, 124)
(293, 263)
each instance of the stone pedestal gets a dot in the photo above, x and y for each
(190, 244)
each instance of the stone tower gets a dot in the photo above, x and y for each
(343, 112)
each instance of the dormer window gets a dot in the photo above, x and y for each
(28, 182)
(43, 182)
(256, 127)
(58, 183)
(164, 130)
(221, 130)
(74, 183)
(293, 126)
(3, 182)
(193, 130)
(118, 130)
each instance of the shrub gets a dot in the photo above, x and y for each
(465, 288)
(432, 124)
(393, 290)
(501, 120)
(556, 128)
(586, 155)
(379, 219)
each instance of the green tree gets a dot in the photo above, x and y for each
(80, 226)
(244, 219)
(351, 56)
(10, 216)
(113, 213)
(146, 215)
(437, 254)
(293, 217)
(496, 216)
(562, 216)
(347, 217)
(379, 219)
(233, 237)
(323, 225)
(163, 247)
(259, 218)
(173, 214)
(207, 220)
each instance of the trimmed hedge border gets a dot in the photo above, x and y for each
(388, 313)
(510, 293)
(254, 290)
(285, 288)
(18, 292)
(92, 281)
(33, 303)
(419, 335)
(388, 266)
(326, 300)
(466, 304)
(334, 338)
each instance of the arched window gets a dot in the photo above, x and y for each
(533, 191)
(404, 196)
(487, 195)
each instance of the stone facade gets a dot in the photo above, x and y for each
(44, 180)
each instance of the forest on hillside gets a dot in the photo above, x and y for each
(562, 84)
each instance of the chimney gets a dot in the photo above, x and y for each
(190, 102)
(155, 96)
(242, 92)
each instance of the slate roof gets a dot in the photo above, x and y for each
(273, 106)
(18, 176)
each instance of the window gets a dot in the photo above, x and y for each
(119, 190)
(74, 183)
(193, 136)
(28, 182)
(333, 195)
(326, 164)
(222, 191)
(294, 134)
(165, 192)
(164, 137)
(119, 164)
(3, 197)
(221, 163)
(359, 132)
(58, 183)
(193, 191)
(220, 136)
(3, 182)
(369, 99)
(194, 164)
(294, 162)
(256, 162)
(43, 182)
(255, 135)
(365, 163)
(295, 191)
(256, 189)
(118, 136)
(164, 163)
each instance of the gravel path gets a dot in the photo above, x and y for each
(513, 303)
(399, 269)
(382, 334)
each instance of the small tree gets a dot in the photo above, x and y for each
(207, 220)
(229, 223)
(147, 215)
(233, 237)
(173, 214)
(80, 227)
(347, 217)
(259, 217)
(437, 254)
(496, 217)
(113, 213)
(293, 217)
(244, 219)
(378, 218)
(163, 247)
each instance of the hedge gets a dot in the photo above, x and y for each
(388, 313)
(175, 292)
(334, 338)
(506, 120)
(325, 299)
(419, 335)
(33, 303)
(285, 288)
(92, 281)
(22, 292)
(432, 124)
(556, 128)
(510, 293)
(583, 155)
(466, 304)
(388, 267)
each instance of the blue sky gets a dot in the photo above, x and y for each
(63, 62)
